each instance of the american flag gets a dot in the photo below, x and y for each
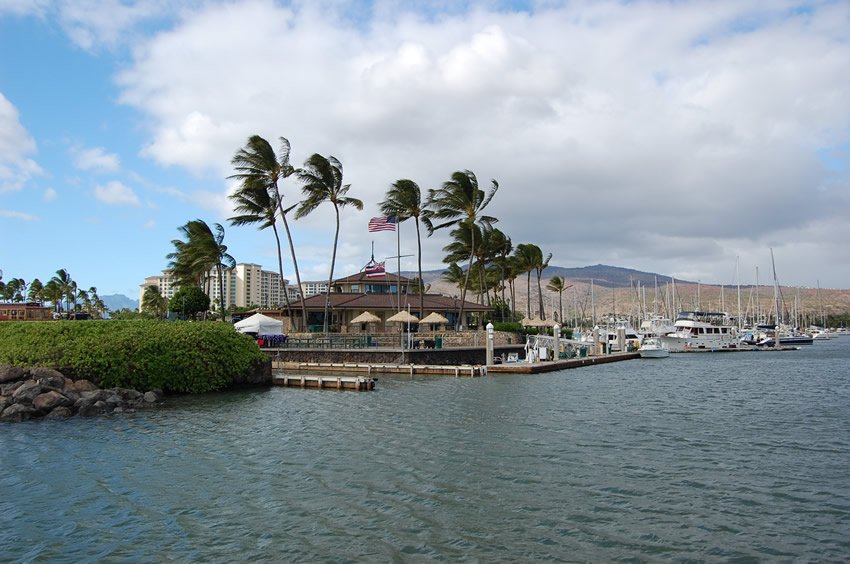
(382, 223)
(374, 270)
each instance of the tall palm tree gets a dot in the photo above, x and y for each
(404, 200)
(83, 296)
(36, 291)
(258, 163)
(524, 259)
(539, 266)
(558, 284)
(460, 203)
(322, 178)
(257, 205)
(203, 250)
(62, 281)
(54, 294)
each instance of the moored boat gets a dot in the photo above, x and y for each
(702, 330)
(653, 347)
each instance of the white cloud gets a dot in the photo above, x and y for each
(608, 124)
(17, 215)
(16, 144)
(150, 224)
(115, 193)
(92, 24)
(49, 195)
(96, 159)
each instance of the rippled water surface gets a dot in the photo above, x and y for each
(699, 456)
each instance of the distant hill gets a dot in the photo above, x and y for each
(119, 301)
(602, 275)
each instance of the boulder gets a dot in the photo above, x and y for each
(5, 402)
(48, 377)
(17, 412)
(84, 386)
(130, 396)
(47, 401)
(151, 397)
(9, 389)
(60, 412)
(27, 392)
(89, 408)
(11, 374)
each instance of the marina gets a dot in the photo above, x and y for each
(697, 457)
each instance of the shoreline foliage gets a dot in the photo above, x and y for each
(176, 357)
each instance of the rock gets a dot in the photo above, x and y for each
(130, 395)
(60, 412)
(9, 389)
(84, 386)
(5, 402)
(95, 395)
(48, 377)
(17, 412)
(47, 401)
(27, 392)
(151, 397)
(11, 374)
(87, 408)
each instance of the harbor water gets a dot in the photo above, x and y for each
(706, 457)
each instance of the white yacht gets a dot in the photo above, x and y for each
(618, 336)
(702, 330)
(656, 326)
(652, 347)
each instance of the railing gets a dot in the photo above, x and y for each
(327, 343)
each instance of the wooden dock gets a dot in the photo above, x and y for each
(327, 382)
(437, 369)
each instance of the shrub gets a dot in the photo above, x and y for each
(139, 354)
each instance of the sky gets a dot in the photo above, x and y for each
(686, 138)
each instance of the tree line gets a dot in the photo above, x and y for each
(493, 263)
(61, 290)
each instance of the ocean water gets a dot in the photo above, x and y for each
(698, 457)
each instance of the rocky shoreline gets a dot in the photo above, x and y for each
(30, 393)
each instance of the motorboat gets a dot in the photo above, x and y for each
(653, 347)
(702, 330)
(617, 336)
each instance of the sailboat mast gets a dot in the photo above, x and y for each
(775, 289)
(738, 282)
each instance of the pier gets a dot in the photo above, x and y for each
(329, 382)
(457, 371)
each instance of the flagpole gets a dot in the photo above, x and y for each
(398, 262)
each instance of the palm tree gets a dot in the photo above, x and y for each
(558, 284)
(53, 293)
(524, 259)
(154, 302)
(258, 163)
(257, 205)
(36, 291)
(202, 251)
(62, 281)
(539, 266)
(322, 178)
(404, 200)
(455, 275)
(83, 296)
(460, 203)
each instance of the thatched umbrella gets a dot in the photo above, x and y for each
(403, 316)
(365, 317)
(434, 318)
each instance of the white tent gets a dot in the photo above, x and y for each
(260, 324)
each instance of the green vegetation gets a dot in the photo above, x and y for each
(189, 301)
(179, 357)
